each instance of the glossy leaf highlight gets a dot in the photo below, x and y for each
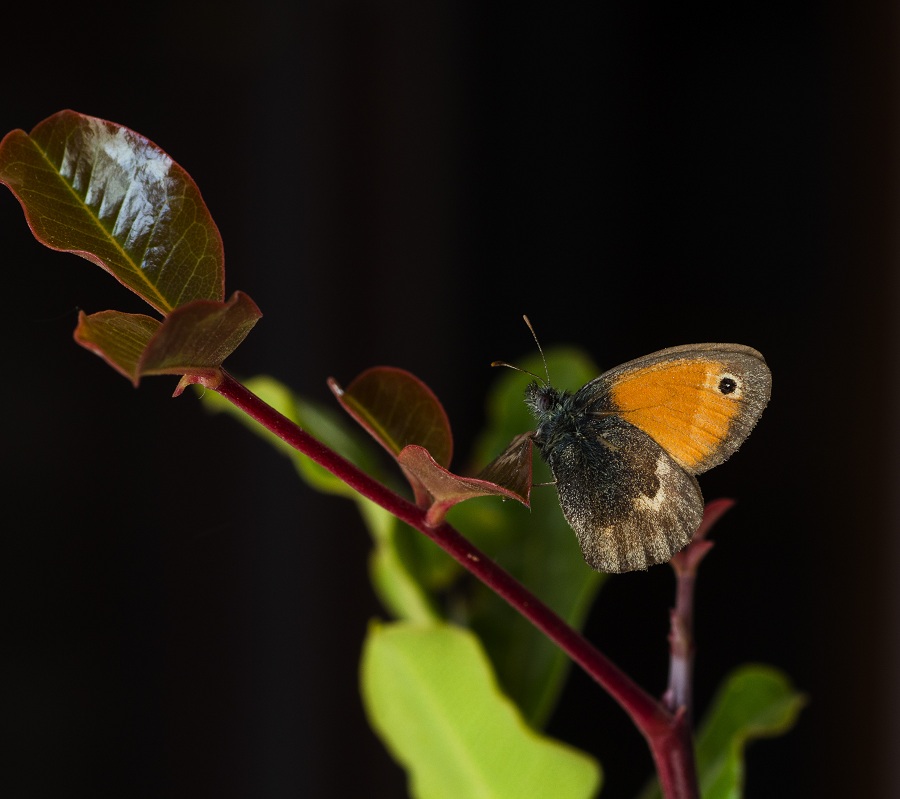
(431, 695)
(106, 193)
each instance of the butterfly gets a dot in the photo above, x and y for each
(625, 448)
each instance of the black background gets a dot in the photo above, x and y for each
(398, 182)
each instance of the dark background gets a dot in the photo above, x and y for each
(398, 182)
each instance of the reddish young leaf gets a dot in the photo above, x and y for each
(102, 191)
(512, 468)
(715, 509)
(196, 338)
(687, 561)
(447, 489)
(119, 338)
(398, 409)
(406, 418)
(193, 340)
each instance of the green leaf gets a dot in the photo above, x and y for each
(193, 340)
(397, 577)
(432, 697)
(102, 191)
(755, 701)
(537, 547)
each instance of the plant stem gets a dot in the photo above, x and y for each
(679, 694)
(668, 734)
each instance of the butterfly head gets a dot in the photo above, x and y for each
(543, 400)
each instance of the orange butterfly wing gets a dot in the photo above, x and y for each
(698, 402)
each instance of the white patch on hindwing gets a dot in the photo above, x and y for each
(653, 504)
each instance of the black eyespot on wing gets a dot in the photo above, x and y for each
(727, 385)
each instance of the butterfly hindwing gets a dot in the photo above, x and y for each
(628, 502)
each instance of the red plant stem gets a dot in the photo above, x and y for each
(667, 734)
(678, 697)
(679, 694)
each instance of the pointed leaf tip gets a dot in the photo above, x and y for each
(688, 560)
(715, 509)
(512, 468)
(447, 489)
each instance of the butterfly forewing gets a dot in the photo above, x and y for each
(698, 402)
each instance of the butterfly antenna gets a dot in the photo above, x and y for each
(541, 351)
(518, 369)
(525, 371)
